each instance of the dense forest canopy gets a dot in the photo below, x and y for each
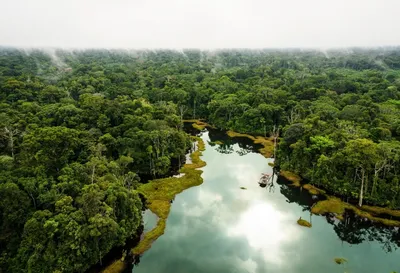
(80, 130)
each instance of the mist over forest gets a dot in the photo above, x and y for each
(83, 131)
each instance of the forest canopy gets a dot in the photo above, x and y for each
(81, 130)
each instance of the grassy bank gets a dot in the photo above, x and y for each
(338, 207)
(160, 192)
(198, 124)
(268, 143)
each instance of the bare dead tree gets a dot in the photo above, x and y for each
(10, 134)
(293, 116)
(275, 134)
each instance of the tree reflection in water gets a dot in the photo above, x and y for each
(353, 229)
(246, 145)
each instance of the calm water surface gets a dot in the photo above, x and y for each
(219, 228)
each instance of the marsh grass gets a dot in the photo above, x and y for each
(304, 223)
(116, 267)
(217, 142)
(198, 124)
(340, 260)
(160, 192)
(313, 190)
(292, 177)
(338, 207)
(381, 210)
(268, 143)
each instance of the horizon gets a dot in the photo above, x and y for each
(51, 48)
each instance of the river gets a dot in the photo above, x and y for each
(218, 227)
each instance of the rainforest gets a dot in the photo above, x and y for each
(91, 138)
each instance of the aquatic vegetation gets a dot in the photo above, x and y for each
(268, 143)
(338, 207)
(271, 164)
(292, 177)
(198, 124)
(340, 260)
(160, 192)
(303, 223)
(312, 189)
(116, 267)
(331, 205)
(381, 210)
(150, 237)
(217, 142)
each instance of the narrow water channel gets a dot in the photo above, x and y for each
(220, 228)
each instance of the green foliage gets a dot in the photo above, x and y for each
(159, 194)
(72, 154)
(77, 137)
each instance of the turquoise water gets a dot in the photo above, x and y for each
(218, 227)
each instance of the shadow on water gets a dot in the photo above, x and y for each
(117, 253)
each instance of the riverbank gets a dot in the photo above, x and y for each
(338, 207)
(268, 143)
(158, 194)
(198, 124)
(332, 204)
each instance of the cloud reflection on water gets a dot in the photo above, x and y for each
(245, 214)
(218, 227)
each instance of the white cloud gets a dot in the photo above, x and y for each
(199, 23)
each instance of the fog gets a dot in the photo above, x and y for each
(199, 23)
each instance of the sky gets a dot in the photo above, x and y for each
(204, 24)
